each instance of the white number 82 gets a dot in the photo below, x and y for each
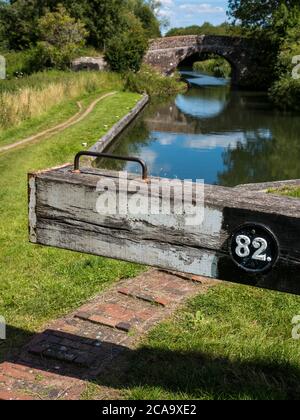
(243, 249)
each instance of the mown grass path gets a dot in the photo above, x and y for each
(75, 119)
(38, 284)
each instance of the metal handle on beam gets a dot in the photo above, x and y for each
(109, 156)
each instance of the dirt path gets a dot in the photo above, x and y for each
(78, 117)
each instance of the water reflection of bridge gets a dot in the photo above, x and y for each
(230, 118)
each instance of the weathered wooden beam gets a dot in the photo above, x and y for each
(62, 213)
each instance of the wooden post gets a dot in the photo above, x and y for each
(246, 237)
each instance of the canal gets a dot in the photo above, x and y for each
(214, 133)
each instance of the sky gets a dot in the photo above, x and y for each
(181, 13)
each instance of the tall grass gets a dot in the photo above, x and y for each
(153, 83)
(35, 95)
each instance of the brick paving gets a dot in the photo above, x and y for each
(60, 362)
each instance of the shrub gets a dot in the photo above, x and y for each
(218, 67)
(149, 81)
(61, 37)
(126, 51)
(16, 63)
(285, 93)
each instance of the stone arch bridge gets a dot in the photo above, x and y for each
(166, 54)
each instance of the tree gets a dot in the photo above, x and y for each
(205, 29)
(103, 19)
(145, 12)
(125, 51)
(60, 38)
(19, 23)
(257, 13)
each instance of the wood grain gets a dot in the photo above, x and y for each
(63, 213)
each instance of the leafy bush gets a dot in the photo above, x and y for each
(126, 51)
(285, 93)
(103, 19)
(16, 62)
(218, 67)
(61, 37)
(149, 81)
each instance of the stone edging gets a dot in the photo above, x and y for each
(119, 127)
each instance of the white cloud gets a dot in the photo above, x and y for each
(214, 141)
(193, 12)
(167, 3)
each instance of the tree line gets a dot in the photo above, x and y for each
(275, 23)
(54, 30)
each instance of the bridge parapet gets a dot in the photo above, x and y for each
(193, 40)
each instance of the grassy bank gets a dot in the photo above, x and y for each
(39, 284)
(149, 81)
(232, 343)
(33, 96)
(18, 62)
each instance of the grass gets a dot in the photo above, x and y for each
(291, 191)
(34, 96)
(56, 115)
(17, 61)
(233, 343)
(153, 83)
(39, 284)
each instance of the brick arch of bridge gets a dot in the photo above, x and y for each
(166, 54)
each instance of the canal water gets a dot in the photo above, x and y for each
(213, 133)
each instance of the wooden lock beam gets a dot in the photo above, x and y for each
(62, 214)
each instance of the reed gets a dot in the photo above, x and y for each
(37, 94)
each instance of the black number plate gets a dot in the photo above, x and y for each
(254, 248)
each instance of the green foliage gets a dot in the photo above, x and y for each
(61, 36)
(126, 51)
(153, 83)
(290, 191)
(232, 343)
(33, 96)
(257, 13)
(18, 21)
(276, 22)
(64, 280)
(16, 62)
(146, 14)
(218, 67)
(103, 19)
(285, 92)
(206, 29)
